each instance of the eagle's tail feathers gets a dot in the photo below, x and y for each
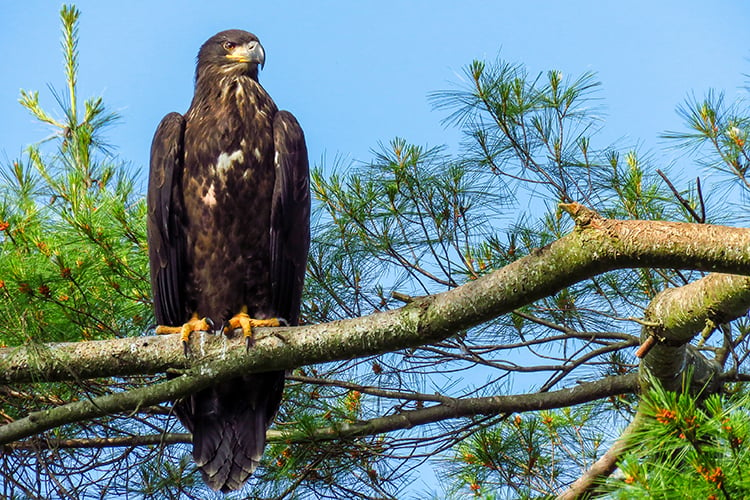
(229, 424)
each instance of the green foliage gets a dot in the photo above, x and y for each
(717, 135)
(73, 242)
(303, 469)
(688, 448)
(403, 225)
(532, 129)
(526, 456)
(73, 266)
(172, 479)
(414, 220)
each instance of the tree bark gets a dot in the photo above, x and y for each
(596, 245)
(450, 409)
(678, 315)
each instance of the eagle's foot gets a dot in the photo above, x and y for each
(244, 322)
(195, 324)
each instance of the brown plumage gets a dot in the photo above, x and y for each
(228, 228)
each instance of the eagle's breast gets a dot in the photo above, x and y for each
(227, 187)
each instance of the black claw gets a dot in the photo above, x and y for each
(283, 322)
(186, 349)
(249, 342)
(210, 323)
(223, 326)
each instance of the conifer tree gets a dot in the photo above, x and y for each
(520, 317)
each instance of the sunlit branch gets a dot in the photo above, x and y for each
(595, 246)
(373, 391)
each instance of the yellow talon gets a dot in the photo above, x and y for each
(195, 324)
(244, 322)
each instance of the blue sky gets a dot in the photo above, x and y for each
(359, 73)
(356, 73)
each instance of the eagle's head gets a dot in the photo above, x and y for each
(231, 52)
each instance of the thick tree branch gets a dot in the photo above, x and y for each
(679, 315)
(451, 409)
(596, 245)
(119, 402)
(98, 443)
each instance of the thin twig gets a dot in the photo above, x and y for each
(685, 203)
(645, 347)
(602, 467)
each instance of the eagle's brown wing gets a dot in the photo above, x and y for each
(290, 216)
(166, 241)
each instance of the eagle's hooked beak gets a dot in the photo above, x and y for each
(251, 53)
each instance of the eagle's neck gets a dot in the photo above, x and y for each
(228, 90)
(207, 75)
(240, 113)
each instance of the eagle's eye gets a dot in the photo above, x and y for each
(229, 45)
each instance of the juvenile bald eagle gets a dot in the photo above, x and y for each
(229, 232)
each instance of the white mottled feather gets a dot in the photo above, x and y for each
(226, 161)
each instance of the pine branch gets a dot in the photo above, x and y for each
(452, 409)
(467, 407)
(596, 245)
(373, 391)
(603, 467)
(70, 15)
(98, 443)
